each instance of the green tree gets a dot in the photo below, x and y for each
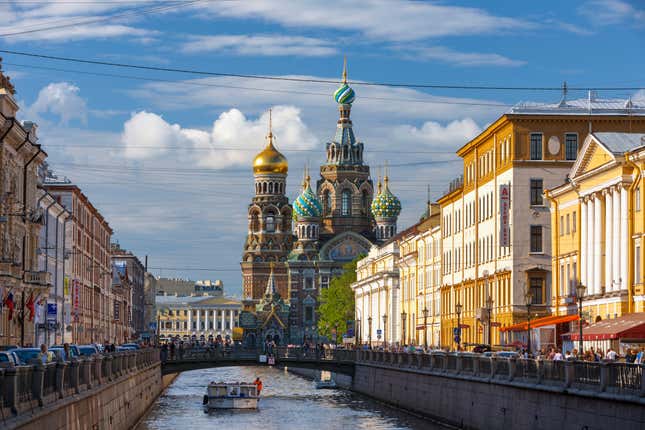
(337, 303)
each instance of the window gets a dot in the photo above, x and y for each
(637, 265)
(574, 224)
(536, 146)
(561, 225)
(270, 224)
(536, 192)
(571, 146)
(365, 202)
(326, 203)
(537, 290)
(309, 313)
(346, 203)
(568, 225)
(637, 199)
(324, 281)
(536, 238)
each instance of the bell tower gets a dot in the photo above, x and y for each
(269, 236)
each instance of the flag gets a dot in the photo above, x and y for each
(8, 302)
(30, 306)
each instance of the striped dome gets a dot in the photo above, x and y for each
(344, 94)
(386, 204)
(307, 204)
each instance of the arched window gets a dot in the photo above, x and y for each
(365, 202)
(346, 203)
(264, 187)
(270, 187)
(269, 224)
(255, 222)
(326, 203)
(344, 152)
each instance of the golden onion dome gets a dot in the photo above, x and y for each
(270, 160)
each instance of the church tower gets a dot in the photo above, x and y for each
(269, 236)
(345, 189)
(386, 208)
(306, 214)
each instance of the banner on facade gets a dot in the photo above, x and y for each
(52, 312)
(504, 215)
(77, 299)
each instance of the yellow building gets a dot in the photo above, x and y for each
(495, 222)
(419, 262)
(598, 228)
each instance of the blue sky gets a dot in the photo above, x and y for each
(168, 161)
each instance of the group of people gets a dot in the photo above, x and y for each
(592, 354)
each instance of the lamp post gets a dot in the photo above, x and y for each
(528, 297)
(369, 330)
(404, 317)
(489, 311)
(458, 308)
(384, 331)
(425, 327)
(358, 331)
(580, 292)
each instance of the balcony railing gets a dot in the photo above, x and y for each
(38, 278)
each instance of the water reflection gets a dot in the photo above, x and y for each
(288, 402)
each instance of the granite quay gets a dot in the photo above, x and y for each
(103, 391)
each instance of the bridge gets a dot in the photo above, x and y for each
(333, 360)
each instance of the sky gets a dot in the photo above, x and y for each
(166, 156)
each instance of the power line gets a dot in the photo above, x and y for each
(267, 90)
(132, 12)
(310, 80)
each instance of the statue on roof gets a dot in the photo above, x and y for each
(5, 81)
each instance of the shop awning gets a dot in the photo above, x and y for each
(541, 322)
(631, 326)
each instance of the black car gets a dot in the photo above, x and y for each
(481, 348)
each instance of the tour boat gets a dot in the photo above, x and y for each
(231, 395)
(326, 381)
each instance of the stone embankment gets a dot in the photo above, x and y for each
(102, 392)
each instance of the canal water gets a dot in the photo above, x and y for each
(288, 402)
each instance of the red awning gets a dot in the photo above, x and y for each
(630, 326)
(541, 322)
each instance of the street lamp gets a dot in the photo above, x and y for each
(404, 317)
(458, 308)
(489, 310)
(580, 292)
(528, 297)
(425, 327)
(369, 330)
(384, 331)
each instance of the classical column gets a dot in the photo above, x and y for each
(190, 320)
(199, 321)
(615, 253)
(609, 213)
(597, 244)
(231, 319)
(583, 242)
(589, 245)
(624, 239)
(222, 319)
(215, 321)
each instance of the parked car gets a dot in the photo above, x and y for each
(8, 359)
(73, 348)
(134, 345)
(507, 354)
(8, 347)
(125, 348)
(87, 350)
(481, 348)
(25, 355)
(59, 351)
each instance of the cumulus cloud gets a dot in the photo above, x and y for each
(433, 134)
(263, 45)
(61, 99)
(609, 12)
(232, 140)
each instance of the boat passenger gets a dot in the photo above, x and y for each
(258, 385)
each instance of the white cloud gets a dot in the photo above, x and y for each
(397, 20)
(60, 99)
(608, 12)
(262, 45)
(469, 59)
(434, 135)
(147, 135)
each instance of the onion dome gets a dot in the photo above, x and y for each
(344, 95)
(270, 160)
(307, 204)
(385, 204)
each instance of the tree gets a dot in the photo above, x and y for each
(337, 303)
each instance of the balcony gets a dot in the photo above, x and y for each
(38, 278)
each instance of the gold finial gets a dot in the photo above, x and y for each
(305, 178)
(345, 70)
(378, 185)
(271, 266)
(270, 135)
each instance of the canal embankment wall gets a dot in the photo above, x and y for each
(478, 404)
(115, 400)
(343, 381)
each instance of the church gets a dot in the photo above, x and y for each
(294, 249)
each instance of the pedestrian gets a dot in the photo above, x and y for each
(557, 356)
(43, 356)
(67, 354)
(258, 385)
(611, 355)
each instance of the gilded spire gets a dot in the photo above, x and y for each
(345, 70)
(270, 135)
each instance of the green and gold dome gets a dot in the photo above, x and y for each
(307, 204)
(385, 204)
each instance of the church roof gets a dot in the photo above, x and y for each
(307, 204)
(386, 204)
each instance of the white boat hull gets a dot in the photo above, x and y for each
(232, 403)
